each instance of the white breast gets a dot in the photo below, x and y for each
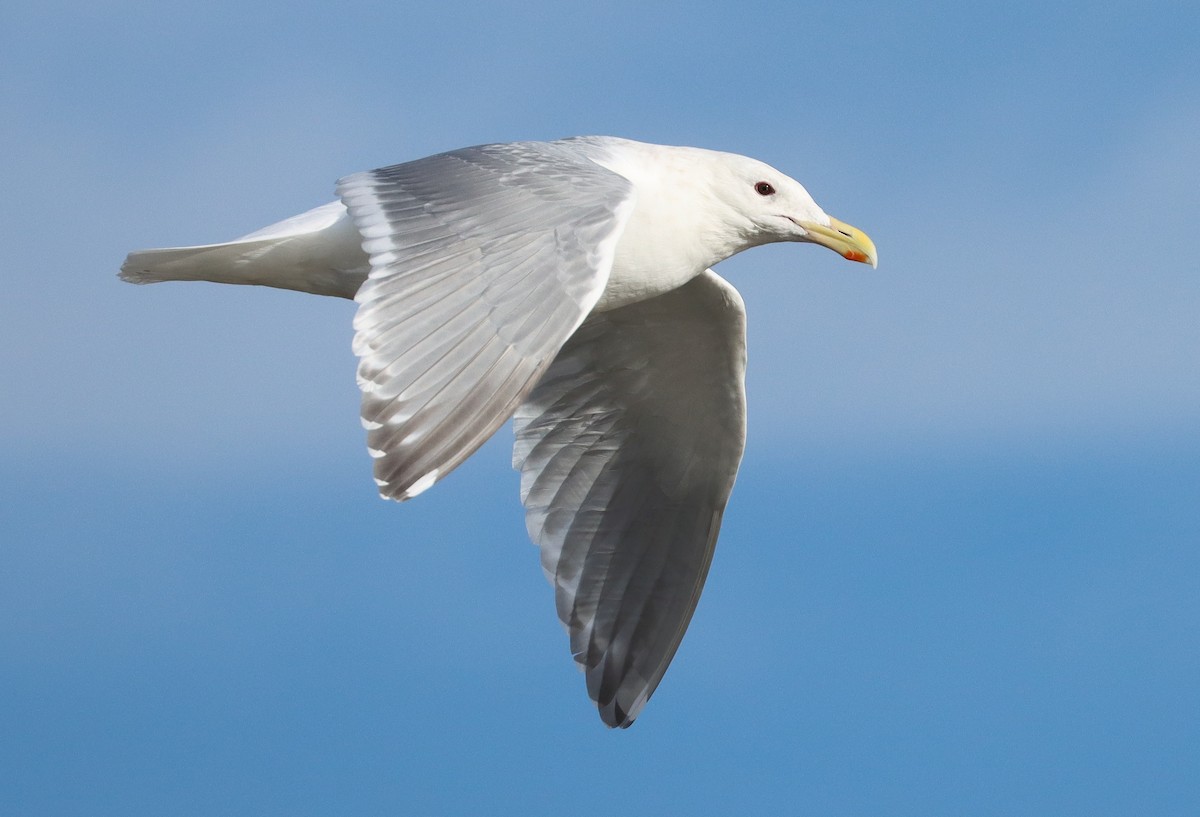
(674, 232)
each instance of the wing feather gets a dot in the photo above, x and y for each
(628, 448)
(483, 262)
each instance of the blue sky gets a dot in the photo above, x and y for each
(959, 571)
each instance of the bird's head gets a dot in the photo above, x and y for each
(776, 207)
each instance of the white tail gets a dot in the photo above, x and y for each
(319, 251)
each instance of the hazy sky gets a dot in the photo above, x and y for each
(959, 573)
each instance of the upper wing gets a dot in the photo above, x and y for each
(628, 449)
(483, 261)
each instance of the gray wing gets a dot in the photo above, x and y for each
(628, 449)
(483, 262)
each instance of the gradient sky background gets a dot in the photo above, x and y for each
(959, 574)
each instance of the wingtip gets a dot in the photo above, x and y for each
(389, 491)
(421, 485)
(615, 717)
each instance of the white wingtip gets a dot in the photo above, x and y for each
(422, 485)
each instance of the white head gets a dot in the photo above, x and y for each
(768, 206)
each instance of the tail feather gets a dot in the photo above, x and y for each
(209, 262)
(319, 252)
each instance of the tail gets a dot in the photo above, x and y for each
(209, 262)
(319, 252)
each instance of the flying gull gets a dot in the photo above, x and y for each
(566, 285)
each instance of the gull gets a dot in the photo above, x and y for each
(565, 285)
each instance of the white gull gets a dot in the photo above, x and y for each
(566, 285)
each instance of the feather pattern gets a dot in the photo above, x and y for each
(483, 262)
(628, 449)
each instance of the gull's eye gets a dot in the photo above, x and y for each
(764, 189)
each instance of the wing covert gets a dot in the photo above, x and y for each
(483, 262)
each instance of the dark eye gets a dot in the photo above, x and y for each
(764, 189)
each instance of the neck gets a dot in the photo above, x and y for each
(660, 248)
